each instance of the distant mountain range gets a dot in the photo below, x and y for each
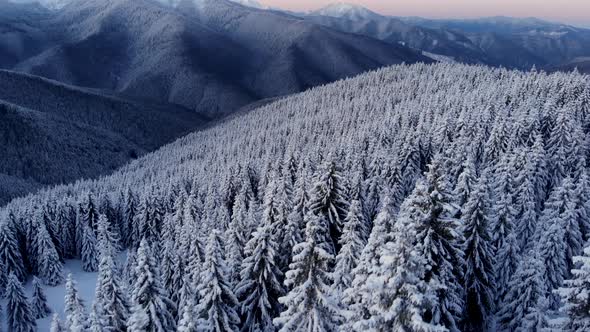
(495, 41)
(212, 56)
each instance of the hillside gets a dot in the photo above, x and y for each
(93, 134)
(373, 179)
(210, 56)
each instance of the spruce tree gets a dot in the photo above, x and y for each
(39, 302)
(525, 292)
(111, 296)
(575, 295)
(353, 241)
(151, 309)
(10, 256)
(50, 266)
(401, 297)
(309, 305)
(328, 198)
(89, 251)
(56, 325)
(19, 316)
(479, 262)
(76, 317)
(217, 303)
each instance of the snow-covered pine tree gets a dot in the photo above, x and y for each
(401, 297)
(89, 251)
(39, 305)
(50, 267)
(479, 261)
(353, 241)
(260, 285)
(10, 256)
(525, 294)
(76, 317)
(110, 299)
(217, 302)
(507, 260)
(504, 212)
(131, 230)
(575, 296)
(188, 319)
(19, 316)
(328, 198)
(358, 298)
(56, 325)
(309, 306)
(466, 182)
(527, 201)
(151, 309)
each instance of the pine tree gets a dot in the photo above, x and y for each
(525, 292)
(575, 295)
(328, 198)
(466, 182)
(217, 303)
(76, 317)
(479, 273)
(359, 297)
(401, 296)
(507, 261)
(439, 241)
(260, 286)
(353, 241)
(50, 267)
(89, 251)
(151, 309)
(504, 211)
(10, 256)
(110, 296)
(309, 306)
(56, 325)
(526, 197)
(19, 315)
(39, 302)
(188, 319)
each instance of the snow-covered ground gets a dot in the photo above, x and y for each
(55, 295)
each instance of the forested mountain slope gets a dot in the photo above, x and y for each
(53, 133)
(423, 197)
(210, 56)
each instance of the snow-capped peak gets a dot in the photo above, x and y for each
(346, 10)
(50, 4)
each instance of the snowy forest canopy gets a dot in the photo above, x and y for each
(413, 198)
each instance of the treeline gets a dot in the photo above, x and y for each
(414, 198)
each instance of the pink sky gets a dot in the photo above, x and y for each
(570, 11)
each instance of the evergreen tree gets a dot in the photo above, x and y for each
(50, 267)
(260, 286)
(110, 296)
(353, 242)
(217, 303)
(10, 256)
(575, 295)
(151, 309)
(359, 297)
(507, 261)
(439, 241)
(19, 316)
(188, 319)
(479, 262)
(56, 325)
(76, 318)
(525, 293)
(89, 251)
(39, 305)
(401, 296)
(328, 198)
(309, 305)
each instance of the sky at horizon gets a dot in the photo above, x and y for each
(566, 11)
